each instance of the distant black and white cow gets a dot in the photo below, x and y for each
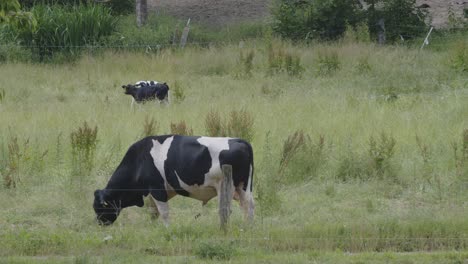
(164, 166)
(147, 91)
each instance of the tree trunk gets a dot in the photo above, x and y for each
(141, 12)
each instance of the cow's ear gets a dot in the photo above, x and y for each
(140, 202)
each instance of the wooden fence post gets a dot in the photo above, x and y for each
(225, 196)
(183, 39)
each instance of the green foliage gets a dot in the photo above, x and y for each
(363, 66)
(325, 19)
(215, 251)
(2, 95)
(460, 154)
(402, 19)
(380, 153)
(181, 128)
(16, 157)
(83, 146)
(358, 33)
(12, 16)
(67, 29)
(330, 19)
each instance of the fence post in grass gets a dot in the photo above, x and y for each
(183, 39)
(426, 40)
(381, 34)
(225, 196)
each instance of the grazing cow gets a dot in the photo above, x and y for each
(164, 166)
(146, 91)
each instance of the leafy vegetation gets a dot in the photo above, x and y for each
(367, 179)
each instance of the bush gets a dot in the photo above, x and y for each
(402, 19)
(459, 57)
(326, 19)
(240, 125)
(328, 63)
(67, 29)
(280, 60)
(178, 93)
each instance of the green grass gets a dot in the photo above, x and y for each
(414, 211)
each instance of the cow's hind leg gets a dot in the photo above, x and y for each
(246, 203)
(163, 208)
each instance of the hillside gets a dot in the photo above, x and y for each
(221, 12)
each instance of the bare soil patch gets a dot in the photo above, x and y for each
(222, 12)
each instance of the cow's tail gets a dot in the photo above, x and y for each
(251, 161)
(250, 199)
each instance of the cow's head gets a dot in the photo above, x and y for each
(129, 88)
(106, 209)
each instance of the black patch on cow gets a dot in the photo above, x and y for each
(190, 160)
(240, 157)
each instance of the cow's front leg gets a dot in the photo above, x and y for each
(163, 208)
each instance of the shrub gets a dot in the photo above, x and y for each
(402, 19)
(215, 251)
(181, 128)
(2, 95)
(460, 154)
(314, 19)
(67, 29)
(83, 144)
(291, 146)
(363, 66)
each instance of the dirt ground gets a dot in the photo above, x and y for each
(214, 12)
(221, 12)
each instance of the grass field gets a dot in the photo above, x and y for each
(382, 179)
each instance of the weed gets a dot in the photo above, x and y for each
(290, 147)
(150, 126)
(246, 63)
(280, 61)
(306, 163)
(213, 124)
(181, 128)
(178, 93)
(240, 125)
(328, 63)
(215, 251)
(2, 95)
(83, 144)
(16, 157)
(380, 153)
(426, 155)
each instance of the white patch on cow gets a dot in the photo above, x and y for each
(203, 192)
(215, 145)
(159, 153)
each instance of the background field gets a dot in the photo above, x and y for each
(345, 197)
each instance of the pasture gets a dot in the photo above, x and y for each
(381, 173)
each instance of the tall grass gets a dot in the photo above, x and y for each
(349, 189)
(67, 29)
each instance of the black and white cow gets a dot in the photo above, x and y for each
(144, 91)
(164, 166)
